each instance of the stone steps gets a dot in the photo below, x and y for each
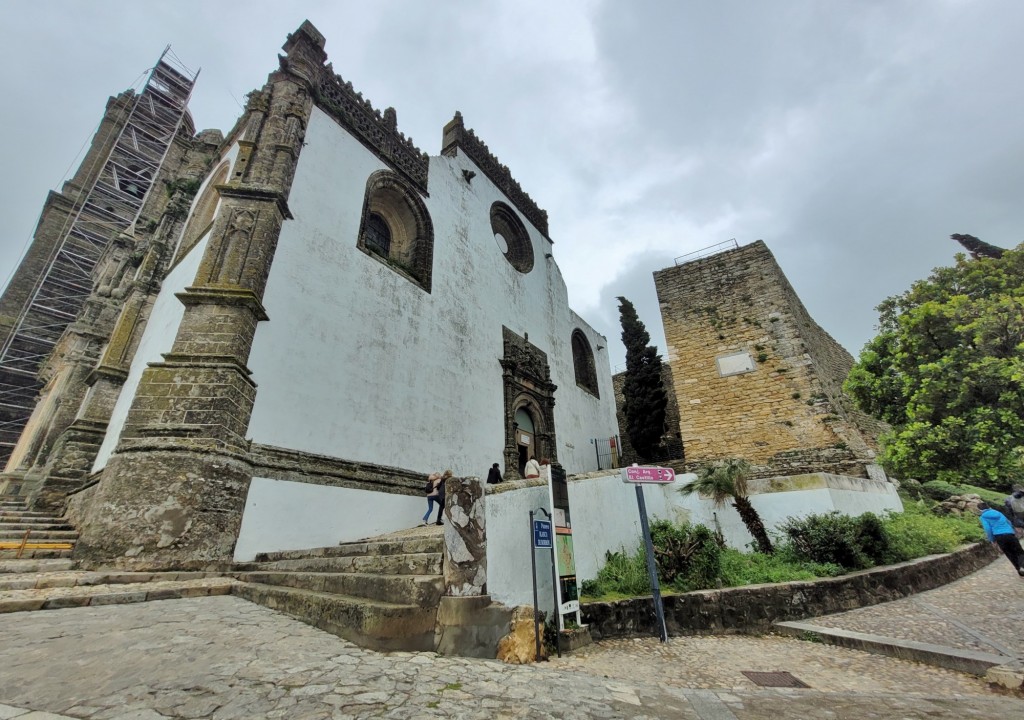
(35, 534)
(47, 536)
(423, 591)
(399, 564)
(399, 546)
(372, 624)
(50, 525)
(381, 593)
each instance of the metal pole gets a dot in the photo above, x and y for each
(597, 451)
(536, 610)
(554, 593)
(652, 569)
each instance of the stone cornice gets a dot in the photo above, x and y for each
(377, 131)
(457, 135)
(296, 466)
(217, 295)
(249, 192)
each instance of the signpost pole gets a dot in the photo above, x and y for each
(652, 569)
(536, 610)
(558, 609)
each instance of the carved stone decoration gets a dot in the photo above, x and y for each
(526, 377)
(458, 136)
(465, 540)
(376, 130)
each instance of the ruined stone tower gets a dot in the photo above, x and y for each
(755, 377)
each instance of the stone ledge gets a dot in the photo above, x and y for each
(966, 661)
(755, 608)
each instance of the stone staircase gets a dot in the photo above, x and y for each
(26, 534)
(381, 594)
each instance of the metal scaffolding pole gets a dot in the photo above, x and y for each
(110, 206)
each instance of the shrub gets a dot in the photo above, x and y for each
(940, 490)
(873, 538)
(917, 532)
(688, 556)
(623, 574)
(828, 538)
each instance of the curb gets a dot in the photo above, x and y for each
(973, 662)
(112, 598)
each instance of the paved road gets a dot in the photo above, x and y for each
(223, 658)
(983, 611)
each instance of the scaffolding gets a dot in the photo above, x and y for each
(110, 206)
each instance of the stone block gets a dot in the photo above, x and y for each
(119, 598)
(24, 605)
(471, 626)
(66, 602)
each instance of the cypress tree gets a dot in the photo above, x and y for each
(644, 398)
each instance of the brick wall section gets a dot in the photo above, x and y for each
(789, 413)
(671, 441)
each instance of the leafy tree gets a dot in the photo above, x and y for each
(643, 392)
(947, 372)
(727, 480)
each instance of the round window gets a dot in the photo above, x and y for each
(511, 236)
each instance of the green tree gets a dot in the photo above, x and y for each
(947, 372)
(643, 392)
(727, 480)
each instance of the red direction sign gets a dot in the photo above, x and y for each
(648, 474)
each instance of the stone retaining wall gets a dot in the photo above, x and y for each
(754, 608)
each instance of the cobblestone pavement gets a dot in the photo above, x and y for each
(983, 611)
(223, 658)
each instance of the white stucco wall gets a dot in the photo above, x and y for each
(358, 362)
(157, 339)
(605, 518)
(284, 515)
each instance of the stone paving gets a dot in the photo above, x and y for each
(224, 658)
(983, 611)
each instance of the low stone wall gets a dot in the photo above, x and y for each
(754, 608)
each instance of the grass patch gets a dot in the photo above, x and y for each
(827, 545)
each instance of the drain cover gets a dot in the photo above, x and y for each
(774, 679)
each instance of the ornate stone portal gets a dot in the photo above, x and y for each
(527, 381)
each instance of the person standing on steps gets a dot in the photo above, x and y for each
(1014, 505)
(532, 468)
(493, 475)
(432, 496)
(1000, 533)
(440, 500)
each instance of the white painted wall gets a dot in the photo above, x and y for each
(156, 340)
(606, 518)
(359, 363)
(284, 515)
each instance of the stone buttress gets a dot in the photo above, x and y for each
(174, 489)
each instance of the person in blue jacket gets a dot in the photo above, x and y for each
(1000, 533)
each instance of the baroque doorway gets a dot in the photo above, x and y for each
(529, 404)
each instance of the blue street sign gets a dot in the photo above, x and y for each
(542, 533)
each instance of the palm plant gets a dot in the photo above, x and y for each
(726, 480)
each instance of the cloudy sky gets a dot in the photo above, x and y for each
(852, 138)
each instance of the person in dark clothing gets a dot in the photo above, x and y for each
(493, 475)
(1014, 505)
(1000, 533)
(440, 500)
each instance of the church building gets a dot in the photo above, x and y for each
(333, 315)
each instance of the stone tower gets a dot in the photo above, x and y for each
(755, 377)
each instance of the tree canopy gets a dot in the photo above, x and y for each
(643, 391)
(947, 372)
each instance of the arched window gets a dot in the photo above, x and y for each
(378, 235)
(583, 363)
(512, 238)
(396, 227)
(203, 212)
